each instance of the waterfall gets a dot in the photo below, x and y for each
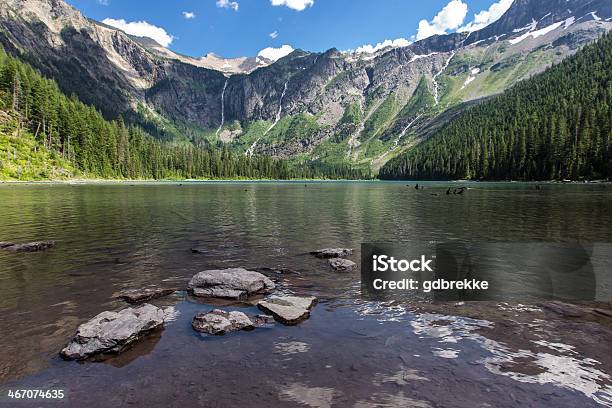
(435, 77)
(251, 149)
(406, 129)
(222, 107)
(280, 109)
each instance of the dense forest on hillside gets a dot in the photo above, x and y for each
(41, 128)
(554, 126)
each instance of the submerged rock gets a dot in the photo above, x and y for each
(235, 283)
(332, 253)
(342, 265)
(112, 332)
(289, 310)
(564, 309)
(263, 320)
(28, 247)
(144, 294)
(219, 322)
(278, 271)
(198, 251)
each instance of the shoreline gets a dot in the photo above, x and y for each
(98, 181)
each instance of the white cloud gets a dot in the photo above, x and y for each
(273, 34)
(298, 5)
(141, 29)
(449, 18)
(275, 53)
(486, 17)
(228, 4)
(189, 15)
(104, 2)
(371, 49)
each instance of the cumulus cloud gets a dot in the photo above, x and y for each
(275, 53)
(486, 17)
(298, 5)
(228, 4)
(141, 29)
(371, 49)
(449, 18)
(189, 15)
(273, 34)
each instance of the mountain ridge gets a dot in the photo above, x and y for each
(308, 93)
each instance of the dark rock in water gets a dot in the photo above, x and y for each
(112, 332)
(564, 309)
(603, 312)
(342, 265)
(289, 310)
(198, 251)
(263, 320)
(145, 294)
(6, 244)
(219, 322)
(278, 271)
(235, 283)
(30, 246)
(332, 253)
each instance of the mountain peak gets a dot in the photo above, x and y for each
(55, 14)
(537, 14)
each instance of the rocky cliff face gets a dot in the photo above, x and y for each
(330, 106)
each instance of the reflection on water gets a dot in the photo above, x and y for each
(564, 368)
(352, 352)
(317, 397)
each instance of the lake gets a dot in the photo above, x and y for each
(351, 352)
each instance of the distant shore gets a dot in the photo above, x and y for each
(94, 181)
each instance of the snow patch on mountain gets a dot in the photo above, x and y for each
(569, 22)
(595, 16)
(418, 57)
(536, 34)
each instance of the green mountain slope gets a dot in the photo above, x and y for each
(47, 135)
(22, 158)
(556, 125)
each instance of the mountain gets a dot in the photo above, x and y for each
(46, 135)
(229, 66)
(332, 107)
(554, 126)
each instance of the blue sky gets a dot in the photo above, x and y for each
(234, 28)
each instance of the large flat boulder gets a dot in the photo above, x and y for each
(328, 253)
(289, 310)
(145, 294)
(342, 265)
(112, 332)
(220, 322)
(235, 283)
(28, 247)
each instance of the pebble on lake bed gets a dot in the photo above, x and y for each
(289, 310)
(113, 332)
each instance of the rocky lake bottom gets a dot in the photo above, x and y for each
(350, 351)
